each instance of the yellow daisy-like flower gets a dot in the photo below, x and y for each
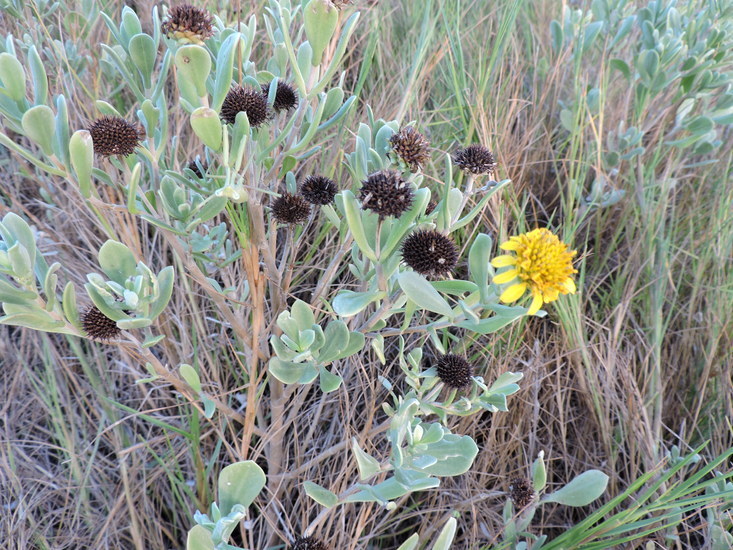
(541, 263)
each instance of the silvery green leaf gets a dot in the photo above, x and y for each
(81, 154)
(209, 406)
(445, 538)
(321, 495)
(39, 125)
(302, 314)
(117, 262)
(194, 65)
(208, 127)
(225, 68)
(292, 373)
(12, 76)
(385, 491)
(422, 293)
(455, 455)
(40, 80)
(433, 434)
(20, 262)
(199, 538)
(336, 340)
(142, 51)
(334, 100)
(306, 339)
(506, 383)
(327, 380)
(356, 343)
(539, 473)
(411, 543)
(354, 220)
(137, 322)
(582, 490)
(479, 267)
(239, 483)
(450, 209)
(346, 30)
(378, 347)
(367, 464)
(455, 287)
(320, 18)
(191, 377)
(165, 281)
(13, 295)
(348, 303)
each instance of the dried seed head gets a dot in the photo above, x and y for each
(194, 167)
(521, 492)
(98, 326)
(386, 194)
(412, 147)
(430, 253)
(188, 23)
(248, 100)
(475, 159)
(308, 543)
(112, 135)
(430, 208)
(454, 371)
(291, 209)
(318, 190)
(286, 97)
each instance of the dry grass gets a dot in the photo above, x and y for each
(89, 459)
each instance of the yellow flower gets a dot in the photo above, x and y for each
(542, 264)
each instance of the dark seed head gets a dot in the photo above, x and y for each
(308, 543)
(188, 23)
(248, 100)
(291, 209)
(194, 167)
(430, 208)
(112, 135)
(412, 147)
(318, 190)
(98, 326)
(386, 193)
(475, 159)
(286, 97)
(521, 492)
(454, 371)
(430, 253)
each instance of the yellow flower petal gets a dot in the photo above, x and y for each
(550, 295)
(569, 285)
(504, 260)
(510, 245)
(513, 293)
(536, 303)
(505, 277)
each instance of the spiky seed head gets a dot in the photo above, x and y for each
(291, 209)
(318, 190)
(412, 147)
(286, 97)
(248, 100)
(521, 492)
(430, 208)
(98, 326)
(308, 543)
(454, 371)
(194, 167)
(113, 135)
(386, 194)
(188, 23)
(475, 159)
(430, 253)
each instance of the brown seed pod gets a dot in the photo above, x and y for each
(291, 209)
(318, 190)
(386, 194)
(98, 326)
(412, 147)
(521, 492)
(247, 100)
(308, 543)
(286, 97)
(454, 371)
(187, 22)
(430, 253)
(475, 159)
(112, 135)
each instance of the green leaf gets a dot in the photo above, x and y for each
(539, 473)
(321, 495)
(411, 543)
(356, 226)
(199, 538)
(420, 291)
(445, 538)
(320, 18)
(328, 381)
(455, 455)
(207, 126)
(336, 340)
(81, 154)
(225, 68)
(12, 76)
(38, 73)
(289, 372)
(404, 222)
(117, 262)
(191, 377)
(581, 491)
(22, 233)
(478, 264)
(239, 483)
(302, 314)
(13, 295)
(194, 65)
(348, 303)
(39, 125)
(367, 464)
(142, 53)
